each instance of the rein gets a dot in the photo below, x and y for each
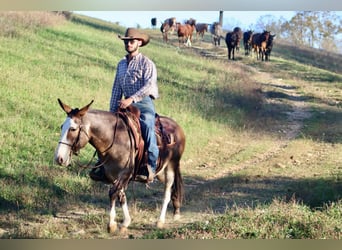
(92, 158)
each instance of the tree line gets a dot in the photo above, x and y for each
(318, 29)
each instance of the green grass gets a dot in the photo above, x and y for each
(230, 128)
(279, 220)
(76, 62)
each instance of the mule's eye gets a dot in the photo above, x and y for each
(72, 129)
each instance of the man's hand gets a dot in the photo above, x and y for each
(124, 103)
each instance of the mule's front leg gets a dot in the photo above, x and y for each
(112, 225)
(127, 218)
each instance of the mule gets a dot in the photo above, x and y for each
(117, 140)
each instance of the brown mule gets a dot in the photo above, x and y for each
(118, 150)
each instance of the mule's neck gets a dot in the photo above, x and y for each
(101, 129)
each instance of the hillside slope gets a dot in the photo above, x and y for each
(263, 139)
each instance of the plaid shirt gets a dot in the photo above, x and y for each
(137, 79)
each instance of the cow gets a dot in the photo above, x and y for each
(153, 22)
(184, 32)
(216, 31)
(168, 26)
(269, 47)
(259, 43)
(232, 42)
(247, 41)
(263, 44)
(201, 28)
(238, 31)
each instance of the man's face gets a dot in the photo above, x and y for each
(132, 45)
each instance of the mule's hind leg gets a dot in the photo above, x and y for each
(169, 179)
(177, 191)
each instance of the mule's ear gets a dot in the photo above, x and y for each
(65, 107)
(85, 109)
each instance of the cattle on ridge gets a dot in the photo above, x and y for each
(259, 43)
(269, 47)
(168, 26)
(233, 41)
(247, 41)
(153, 22)
(201, 28)
(185, 32)
(238, 32)
(216, 32)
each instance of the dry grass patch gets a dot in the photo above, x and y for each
(15, 22)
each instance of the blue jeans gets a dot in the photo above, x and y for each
(147, 123)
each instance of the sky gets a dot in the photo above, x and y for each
(244, 19)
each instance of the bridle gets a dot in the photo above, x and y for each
(72, 146)
(75, 151)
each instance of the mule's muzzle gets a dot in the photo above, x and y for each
(60, 160)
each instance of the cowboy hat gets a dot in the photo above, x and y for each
(132, 33)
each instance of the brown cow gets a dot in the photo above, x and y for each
(259, 43)
(201, 28)
(269, 47)
(185, 31)
(168, 26)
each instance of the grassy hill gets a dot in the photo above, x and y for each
(252, 168)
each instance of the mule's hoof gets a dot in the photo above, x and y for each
(123, 230)
(111, 228)
(160, 224)
(176, 217)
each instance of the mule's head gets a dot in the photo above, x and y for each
(74, 134)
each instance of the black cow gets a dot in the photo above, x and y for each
(269, 48)
(247, 41)
(238, 31)
(232, 40)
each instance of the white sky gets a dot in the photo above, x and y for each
(244, 19)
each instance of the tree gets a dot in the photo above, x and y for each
(270, 23)
(313, 28)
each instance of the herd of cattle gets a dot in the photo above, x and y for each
(259, 43)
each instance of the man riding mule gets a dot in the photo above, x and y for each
(117, 135)
(136, 81)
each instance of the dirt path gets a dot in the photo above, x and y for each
(276, 93)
